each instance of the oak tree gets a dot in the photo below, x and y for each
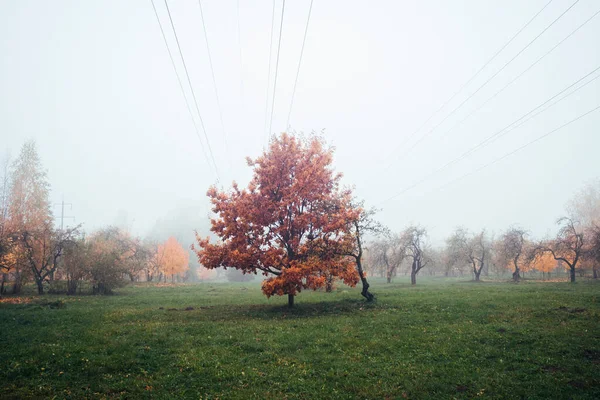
(288, 224)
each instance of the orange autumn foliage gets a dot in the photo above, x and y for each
(290, 224)
(544, 262)
(171, 258)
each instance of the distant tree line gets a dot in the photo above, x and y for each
(33, 250)
(294, 223)
(574, 249)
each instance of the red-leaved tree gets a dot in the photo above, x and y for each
(289, 224)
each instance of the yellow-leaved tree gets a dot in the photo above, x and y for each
(172, 259)
(544, 263)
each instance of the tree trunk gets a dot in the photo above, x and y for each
(365, 284)
(572, 273)
(365, 290)
(40, 285)
(2, 289)
(16, 288)
(413, 278)
(329, 283)
(475, 272)
(516, 275)
(594, 269)
(71, 286)
(290, 300)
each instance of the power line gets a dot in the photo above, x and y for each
(187, 103)
(508, 128)
(276, 67)
(269, 74)
(445, 103)
(530, 115)
(521, 147)
(212, 71)
(299, 64)
(522, 73)
(490, 78)
(192, 90)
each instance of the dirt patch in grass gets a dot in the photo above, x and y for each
(551, 368)
(592, 355)
(578, 384)
(461, 388)
(572, 310)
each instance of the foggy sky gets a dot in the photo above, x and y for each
(92, 83)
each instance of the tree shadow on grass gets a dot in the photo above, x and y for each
(306, 309)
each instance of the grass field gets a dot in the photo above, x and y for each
(440, 339)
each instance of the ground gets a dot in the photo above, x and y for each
(440, 339)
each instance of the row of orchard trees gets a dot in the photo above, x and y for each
(295, 224)
(575, 248)
(32, 249)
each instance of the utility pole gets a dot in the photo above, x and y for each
(62, 212)
(62, 205)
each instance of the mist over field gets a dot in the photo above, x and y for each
(308, 199)
(92, 83)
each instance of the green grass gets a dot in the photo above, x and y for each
(440, 339)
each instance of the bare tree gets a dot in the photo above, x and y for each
(584, 210)
(389, 252)
(512, 249)
(106, 263)
(567, 247)
(136, 256)
(438, 261)
(43, 248)
(415, 245)
(365, 224)
(471, 249)
(75, 258)
(584, 207)
(152, 267)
